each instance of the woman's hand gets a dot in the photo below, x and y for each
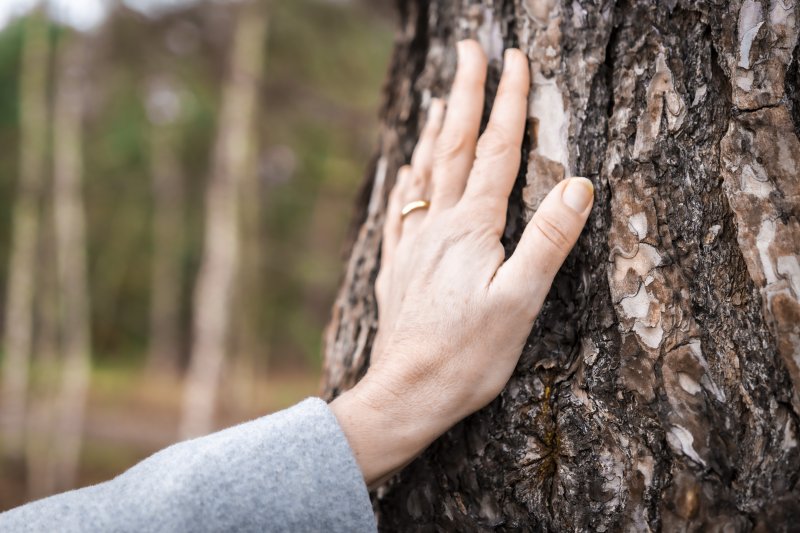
(453, 315)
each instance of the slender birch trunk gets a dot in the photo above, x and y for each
(70, 225)
(249, 353)
(168, 226)
(233, 151)
(17, 342)
(248, 349)
(43, 392)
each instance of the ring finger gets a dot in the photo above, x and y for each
(418, 188)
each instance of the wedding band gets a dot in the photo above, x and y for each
(410, 207)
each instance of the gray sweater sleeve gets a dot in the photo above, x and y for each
(290, 471)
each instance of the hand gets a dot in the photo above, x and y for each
(453, 314)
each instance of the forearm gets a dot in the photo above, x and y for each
(292, 471)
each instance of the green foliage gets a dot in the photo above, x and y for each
(325, 66)
(10, 48)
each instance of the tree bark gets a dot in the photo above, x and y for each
(18, 335)
(215, 285)
(164, 108)
(659, 387)
(43, 389)
(249, 354)
(69, 216)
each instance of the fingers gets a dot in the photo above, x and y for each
(392, 226)
(418, 186)
(498, 151)
(547, 240)
(422, 159)
(414, 190)
(455, 148)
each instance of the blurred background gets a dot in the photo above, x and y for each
(176, 184)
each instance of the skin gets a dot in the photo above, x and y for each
(441, 353)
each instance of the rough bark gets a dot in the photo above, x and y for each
(19, 310)
(659, 387)
(231, 159)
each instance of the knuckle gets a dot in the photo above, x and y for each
(402, 176)
(418, 181)
(394, 197)
(430, 131)
(512, 88)
(495, 144)
(484, 209)
(451, 146)
(473, 82)
(552, 231)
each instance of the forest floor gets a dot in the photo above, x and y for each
(129, 418)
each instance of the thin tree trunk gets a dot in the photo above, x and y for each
(215, 285)
(659, 387)
(248, 346)
(249, 350)
(43, 392)
(168, 227)
(20, 294)
(70, 224)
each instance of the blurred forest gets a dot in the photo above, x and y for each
(175, 190)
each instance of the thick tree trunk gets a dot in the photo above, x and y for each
(659, 388)
(232, 158)
(19, 310)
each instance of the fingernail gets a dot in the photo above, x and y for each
(578, 194)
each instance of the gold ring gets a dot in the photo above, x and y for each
(410, 207)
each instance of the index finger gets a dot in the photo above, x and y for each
(498, 152)
(455, 148)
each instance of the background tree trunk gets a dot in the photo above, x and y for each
(70, 233)
(249, 354)
(19, 310)
(659, 387)
(233, 151)
(163, 101)
(43, 389)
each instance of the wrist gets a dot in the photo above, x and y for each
(386, 425)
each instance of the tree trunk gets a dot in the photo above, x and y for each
(249, 351)
(163, 109)
(73, 287)
(249, 354)
(18, 335)
(43, 389)
(659, 387)
(232, 158)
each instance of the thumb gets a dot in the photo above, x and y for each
(548, 239)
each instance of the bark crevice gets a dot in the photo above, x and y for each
(659, 370)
